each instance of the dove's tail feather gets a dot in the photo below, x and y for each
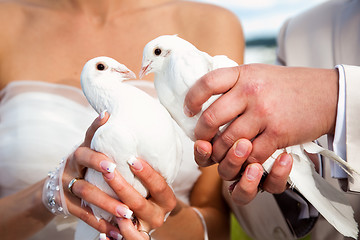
(84, 231)
(329, 201)
(311, 147)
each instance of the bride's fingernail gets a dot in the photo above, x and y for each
(102, 114)
(108, 166)
(102, 236)
(124, 212)
(115, 235)
(135, 164)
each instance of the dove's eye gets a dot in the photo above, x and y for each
(157, 51)
(101, 66)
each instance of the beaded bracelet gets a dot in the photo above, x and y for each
(53, 192)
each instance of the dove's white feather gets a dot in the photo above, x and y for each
(311, 147)
(328, 200)
(138, 126)
(180, 65)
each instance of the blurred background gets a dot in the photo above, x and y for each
(261, 21)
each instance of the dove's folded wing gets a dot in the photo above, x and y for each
(329, 201)
(222, 61)
(311, 147)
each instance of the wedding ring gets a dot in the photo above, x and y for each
(146, 233)
(71, 183)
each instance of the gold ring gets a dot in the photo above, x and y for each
(146, 233)
(71, 184)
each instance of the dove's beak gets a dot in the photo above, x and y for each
(128, 74)
(145, 69)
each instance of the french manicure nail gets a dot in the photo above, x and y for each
(102, 114)
(135, 163)
(102, 236)
(115, 235)
(108, 166)
(187, 111)
(124, 212)
(252, 172)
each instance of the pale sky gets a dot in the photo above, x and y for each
(264, 17)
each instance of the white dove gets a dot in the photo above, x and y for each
(138, 126)
(178, 64)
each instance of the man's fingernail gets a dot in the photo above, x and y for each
(241, 149)
(108, 166)
(124, 212)
(135, 163)
(201, 151)
(284, 160)
(187, 111)
(252, 172)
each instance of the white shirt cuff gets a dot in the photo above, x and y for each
(338, 142)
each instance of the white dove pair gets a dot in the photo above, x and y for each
(125, 136)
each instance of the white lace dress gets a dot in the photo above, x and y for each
(40, 123)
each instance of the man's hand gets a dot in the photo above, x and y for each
(272, 106)
(248, 177)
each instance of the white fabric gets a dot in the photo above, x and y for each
(39, 124)
(339, 140)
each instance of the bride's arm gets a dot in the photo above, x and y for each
(23, 214)
(206, 197)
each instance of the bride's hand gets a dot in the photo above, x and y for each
(77, 163)
(149, 211)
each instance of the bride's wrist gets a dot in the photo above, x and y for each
(179, 206)
(203, 222)
(53, 196)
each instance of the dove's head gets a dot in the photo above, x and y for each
(100, 71)
(99, 77)
(158, 50)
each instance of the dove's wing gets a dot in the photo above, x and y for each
(329, 201)
(311, 147)
(222, 61)
(186, 69)
(119, 144)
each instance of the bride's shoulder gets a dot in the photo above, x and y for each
(10, 7)
(14, 16)
(205, 13)
(211, 28)
(14, 13)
